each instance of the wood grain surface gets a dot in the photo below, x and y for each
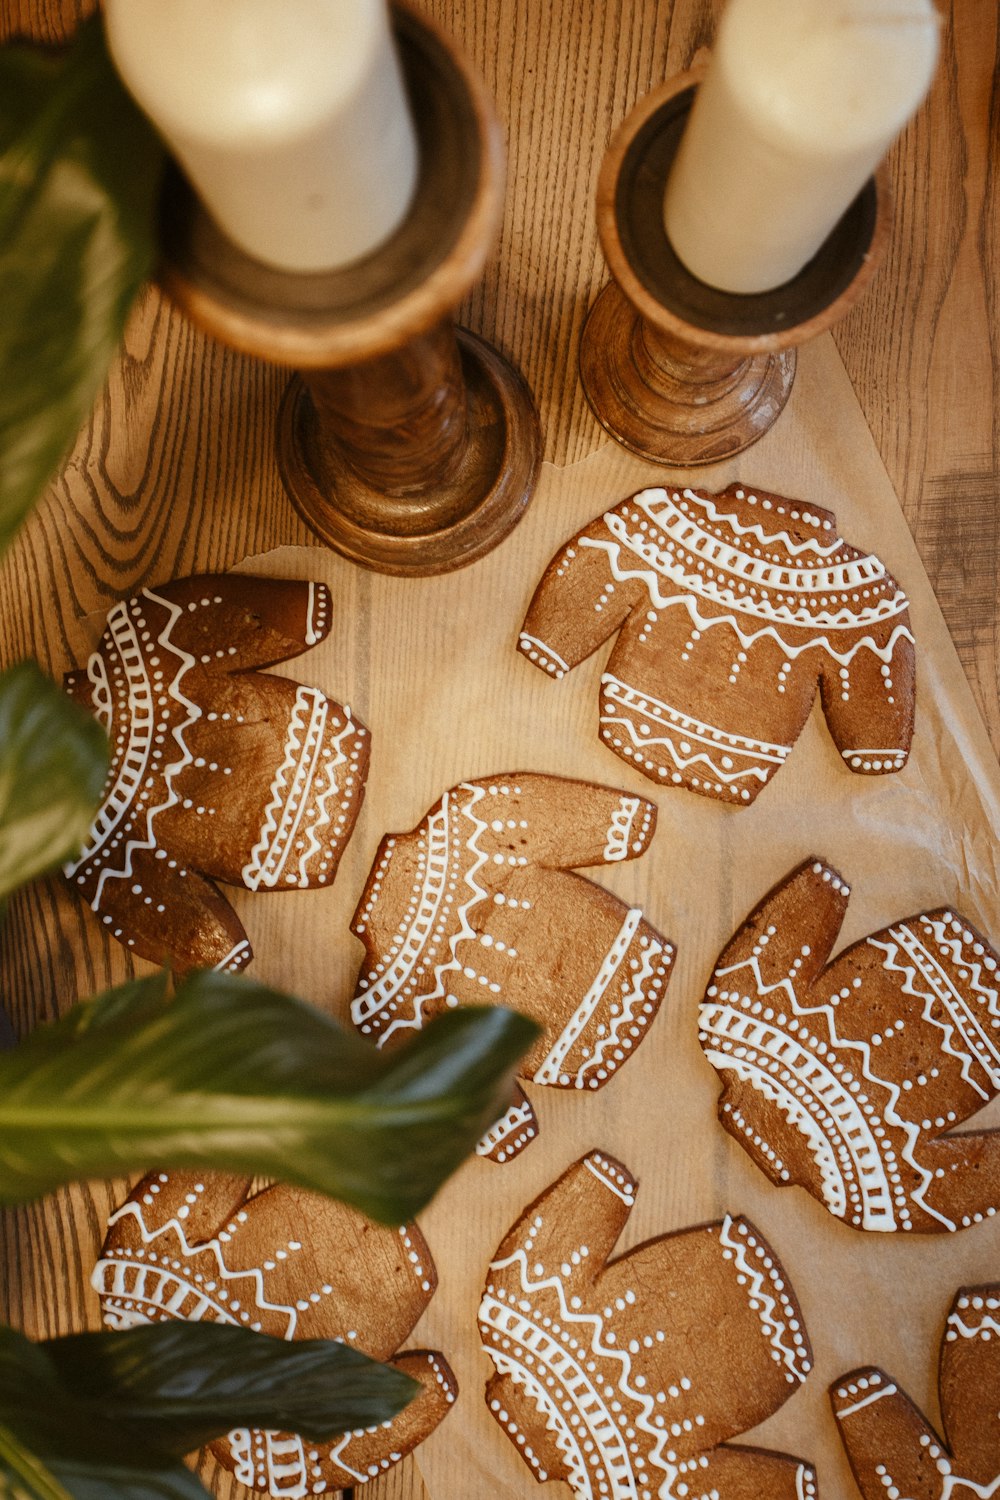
(175, 471)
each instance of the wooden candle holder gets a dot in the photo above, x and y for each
(676, 370)
(408, 445)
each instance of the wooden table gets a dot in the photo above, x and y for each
(175, 472)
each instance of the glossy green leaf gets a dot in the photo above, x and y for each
(53, 763)
(23, 1476)
(79, 177)
(112, 1413)
(178, 1385)
(234, 1075)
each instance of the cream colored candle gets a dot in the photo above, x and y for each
(801, 101)
(288, 116)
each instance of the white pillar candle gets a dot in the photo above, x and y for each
(801, 101)
(289, 117)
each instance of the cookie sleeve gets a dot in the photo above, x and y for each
(868, 699)
(969, 1382)
(573, 1226)
(885, 1437)
(559, 823)
(736, 1473)
(788, 937)
(579, 602)
(230, 623)
(172, 916)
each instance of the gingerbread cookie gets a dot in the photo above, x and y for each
(218, 771)
(894, 1450)
(476, 906)
(731, 608)
(627, 1378)
(290, 1264)
(853, 1079)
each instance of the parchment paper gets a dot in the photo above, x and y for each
(430, 666)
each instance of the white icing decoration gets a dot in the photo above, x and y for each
(679, 528)
(619, 830)
(578, 1376)
(878, 1394)
(747, 635)
(294, 792)
(514, 1129)
(119, 801)
(542, 654)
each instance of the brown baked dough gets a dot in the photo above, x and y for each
(853, 1078)
(291, 1264)
(626, 1378)
(219, 771)
(731, 609)
(476, 905)
(894, 1450)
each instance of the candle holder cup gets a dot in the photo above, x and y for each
(408, 445)
(676, 370)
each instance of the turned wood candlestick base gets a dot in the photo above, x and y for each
(405, 444)
(678, 371)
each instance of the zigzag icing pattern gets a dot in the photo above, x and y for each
(588, 1389)
(119, 801)
(871, 1211)
(676, 530)
(748, 636)
(686, 741)
(634, 1004)
(139, 1292)
(755, 1031)
(306, 759)
(977, 1047)
(715, 516)
(511, 1133)
(396, 981)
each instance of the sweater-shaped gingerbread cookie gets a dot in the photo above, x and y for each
(218, 771)
(854, 1078)
(894, 1450)
(295, 1266)
(731, 608)
(626, 1378)
(477, 905)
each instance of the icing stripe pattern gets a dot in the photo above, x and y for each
(870, 1064)
(624, 1403)
(475, 906)
(732, 610)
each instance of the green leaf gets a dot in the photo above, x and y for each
(112, 1413)
(22, 1475)
(53, 763)
(98, 1414)
(233, 1075)
(53, 1439)
(80, 168)
(179, 1385)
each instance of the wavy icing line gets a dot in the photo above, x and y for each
(174, 1226)
(402, 967)
(644, 1403)
(727, 518)
(551, 1067)
(854, 1131)
(953, 1002)
(911, 1131)
(192, 712)
(842, 578)
(796, 1363)
(748, 638)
